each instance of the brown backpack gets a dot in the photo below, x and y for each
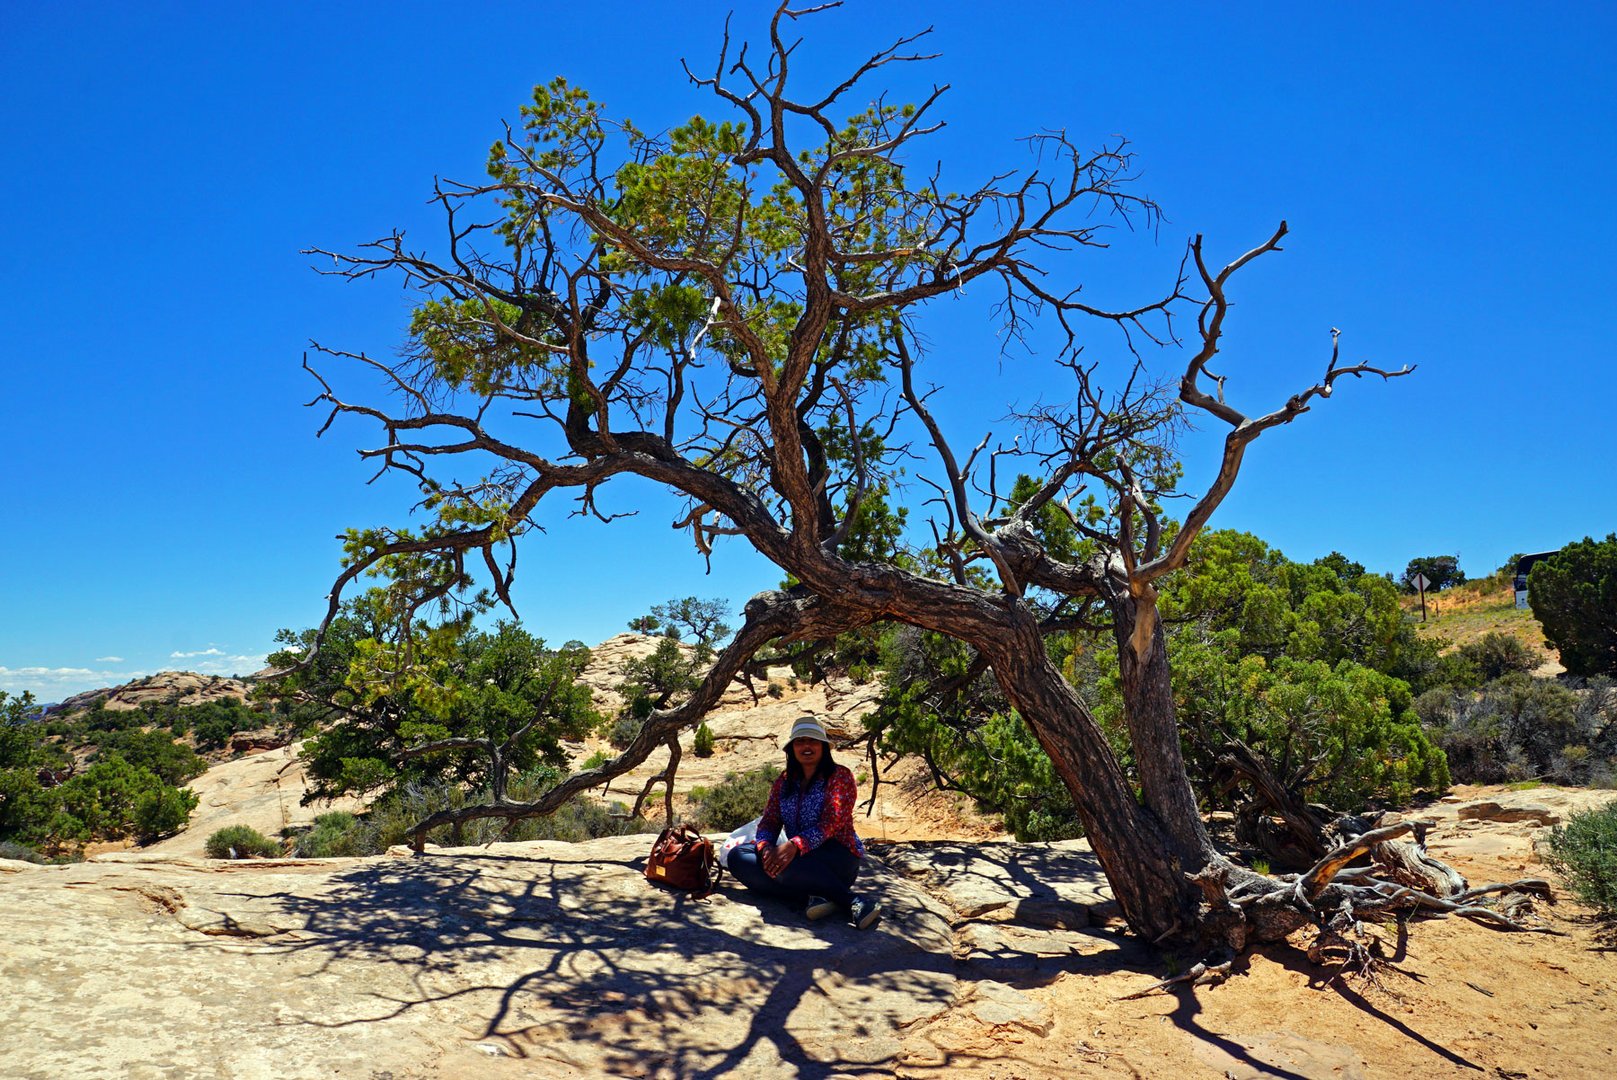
(683, 858)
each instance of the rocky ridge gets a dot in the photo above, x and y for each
(179, 687)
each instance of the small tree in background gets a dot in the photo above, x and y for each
(1574, 597)
(454, 704)
(704, 740)
(703, 620)
(1441, 572)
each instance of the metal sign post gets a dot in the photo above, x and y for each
(1420, 583)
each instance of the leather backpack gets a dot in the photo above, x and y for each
(683, 859)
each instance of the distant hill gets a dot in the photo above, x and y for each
(1466, 613)
(175, 687)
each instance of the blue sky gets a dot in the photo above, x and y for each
(1445, 169)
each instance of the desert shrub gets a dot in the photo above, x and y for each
(20, 853)
(1471, 736)
(162, 810)
(333, 835)
(596, 760)
(1354, 723)
(651, 682)
(1515, 728)
(240, 842)
(212, 723)
(1496, 655)
(1584, 853)
(99, 718)
(458, 687)
(623, 730)
(733, 801)
(172, 762)
(113, 799)
(968, 735)
(582, 819)
(703, 744)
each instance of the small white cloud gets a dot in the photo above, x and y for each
(199, 652)
(55, 683)
(109, 659)
(240, 664)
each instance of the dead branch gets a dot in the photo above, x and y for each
(1199, 975)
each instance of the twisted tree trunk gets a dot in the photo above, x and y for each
(1150, 859)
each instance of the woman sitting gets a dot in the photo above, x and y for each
(806, 849)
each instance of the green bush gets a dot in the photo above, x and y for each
(703, 746)
(20, 853)
(156, 751)
(1584, 853)
(240, 842)
(333, 835)
(163, 810)
(735, 800)
(1574, 597)
(596, 760)
(624, 729)
(1496, 655)
(212, 723)
(1514, 728)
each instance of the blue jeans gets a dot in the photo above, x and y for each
(829, 871)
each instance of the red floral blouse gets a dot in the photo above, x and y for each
(811, 817)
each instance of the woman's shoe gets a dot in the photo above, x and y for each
(819, 907)
(864, 913)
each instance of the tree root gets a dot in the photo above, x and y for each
(1400, 878)
(1342, 901)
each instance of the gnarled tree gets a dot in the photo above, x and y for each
(733, 311)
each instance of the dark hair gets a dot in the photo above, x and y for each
(823, 771)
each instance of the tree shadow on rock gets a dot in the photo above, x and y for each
(577, 960)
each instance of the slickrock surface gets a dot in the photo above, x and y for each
(538, 959)
(262, 790)
(995, 961)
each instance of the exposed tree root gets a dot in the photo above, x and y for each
(1343, 901)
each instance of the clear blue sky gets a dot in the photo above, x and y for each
(1446, 170)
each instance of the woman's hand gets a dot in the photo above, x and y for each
(779, 858)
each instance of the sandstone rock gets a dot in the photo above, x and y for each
(263, 791)
(1002, 880)
(247, 742)
(1278, 1053)
(541, 959)
(1489, 810)
(998, 1005)
(180, 687)
(605, 670)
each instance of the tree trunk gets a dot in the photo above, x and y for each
(1149, 863)
(1147, 685)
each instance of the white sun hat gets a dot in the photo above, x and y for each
(807, 728)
